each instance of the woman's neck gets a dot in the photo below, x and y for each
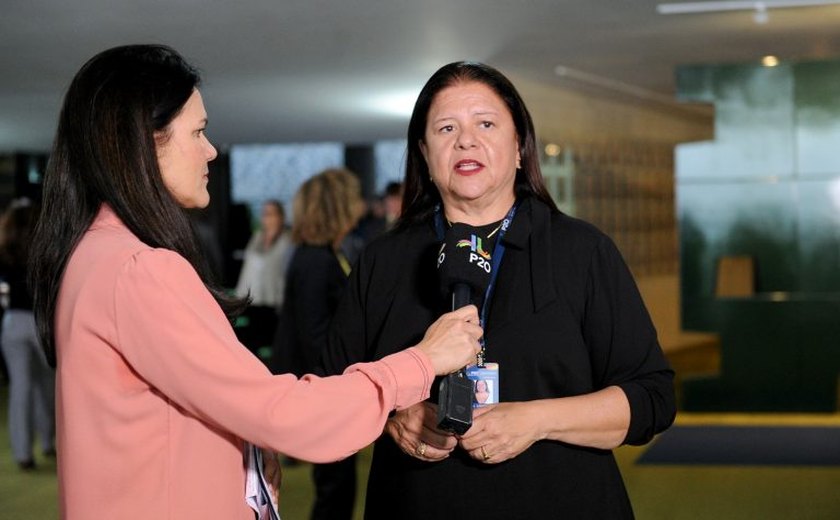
(269, 237)
(477, 214)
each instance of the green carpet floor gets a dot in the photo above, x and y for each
(657, 492)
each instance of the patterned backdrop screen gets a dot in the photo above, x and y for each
(389, 158)
(275, 171)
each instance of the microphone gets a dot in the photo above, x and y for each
(464, 269)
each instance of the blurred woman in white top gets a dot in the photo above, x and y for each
(267, 255)
(263, 278)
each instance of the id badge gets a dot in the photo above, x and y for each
(485, 381)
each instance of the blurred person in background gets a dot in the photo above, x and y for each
(392, 200)
(325, 209)
(32, 380)
(382, 213)
(263, 276)
(266, 258)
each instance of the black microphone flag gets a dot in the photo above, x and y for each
(464, 266)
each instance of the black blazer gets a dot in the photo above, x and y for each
(565, 319)
(314, 285)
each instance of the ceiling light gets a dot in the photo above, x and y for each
(769, 61)
(398, 104)
(760, 8)
(552, 150)
(760, 15)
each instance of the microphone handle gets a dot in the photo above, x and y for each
(455, 393)
(461, 295)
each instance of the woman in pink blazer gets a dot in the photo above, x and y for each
(156, 399)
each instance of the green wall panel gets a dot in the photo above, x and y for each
(754, 116)
(768, 186)
(819, 236)
(817, 101)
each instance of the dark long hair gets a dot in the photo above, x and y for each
(421, 195)
(104, 152)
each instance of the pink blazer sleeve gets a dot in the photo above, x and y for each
(174, 335)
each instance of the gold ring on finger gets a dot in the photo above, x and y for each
(421, 449)
(484, 454)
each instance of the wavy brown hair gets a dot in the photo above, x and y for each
(326, 207)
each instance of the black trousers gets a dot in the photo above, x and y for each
(335, 490)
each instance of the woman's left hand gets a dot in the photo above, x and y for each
(415, 431)
(500, 432)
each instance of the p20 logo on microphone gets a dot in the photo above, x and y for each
(478, 256)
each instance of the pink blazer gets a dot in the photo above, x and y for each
(155, 394)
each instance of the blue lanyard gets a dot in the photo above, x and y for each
(498, 253)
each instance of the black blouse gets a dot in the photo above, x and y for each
(565, 319)
(314, 285)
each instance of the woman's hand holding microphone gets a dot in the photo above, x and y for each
(451, 342)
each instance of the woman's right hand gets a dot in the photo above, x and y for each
(451, 342)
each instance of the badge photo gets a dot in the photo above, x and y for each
(485, 380)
